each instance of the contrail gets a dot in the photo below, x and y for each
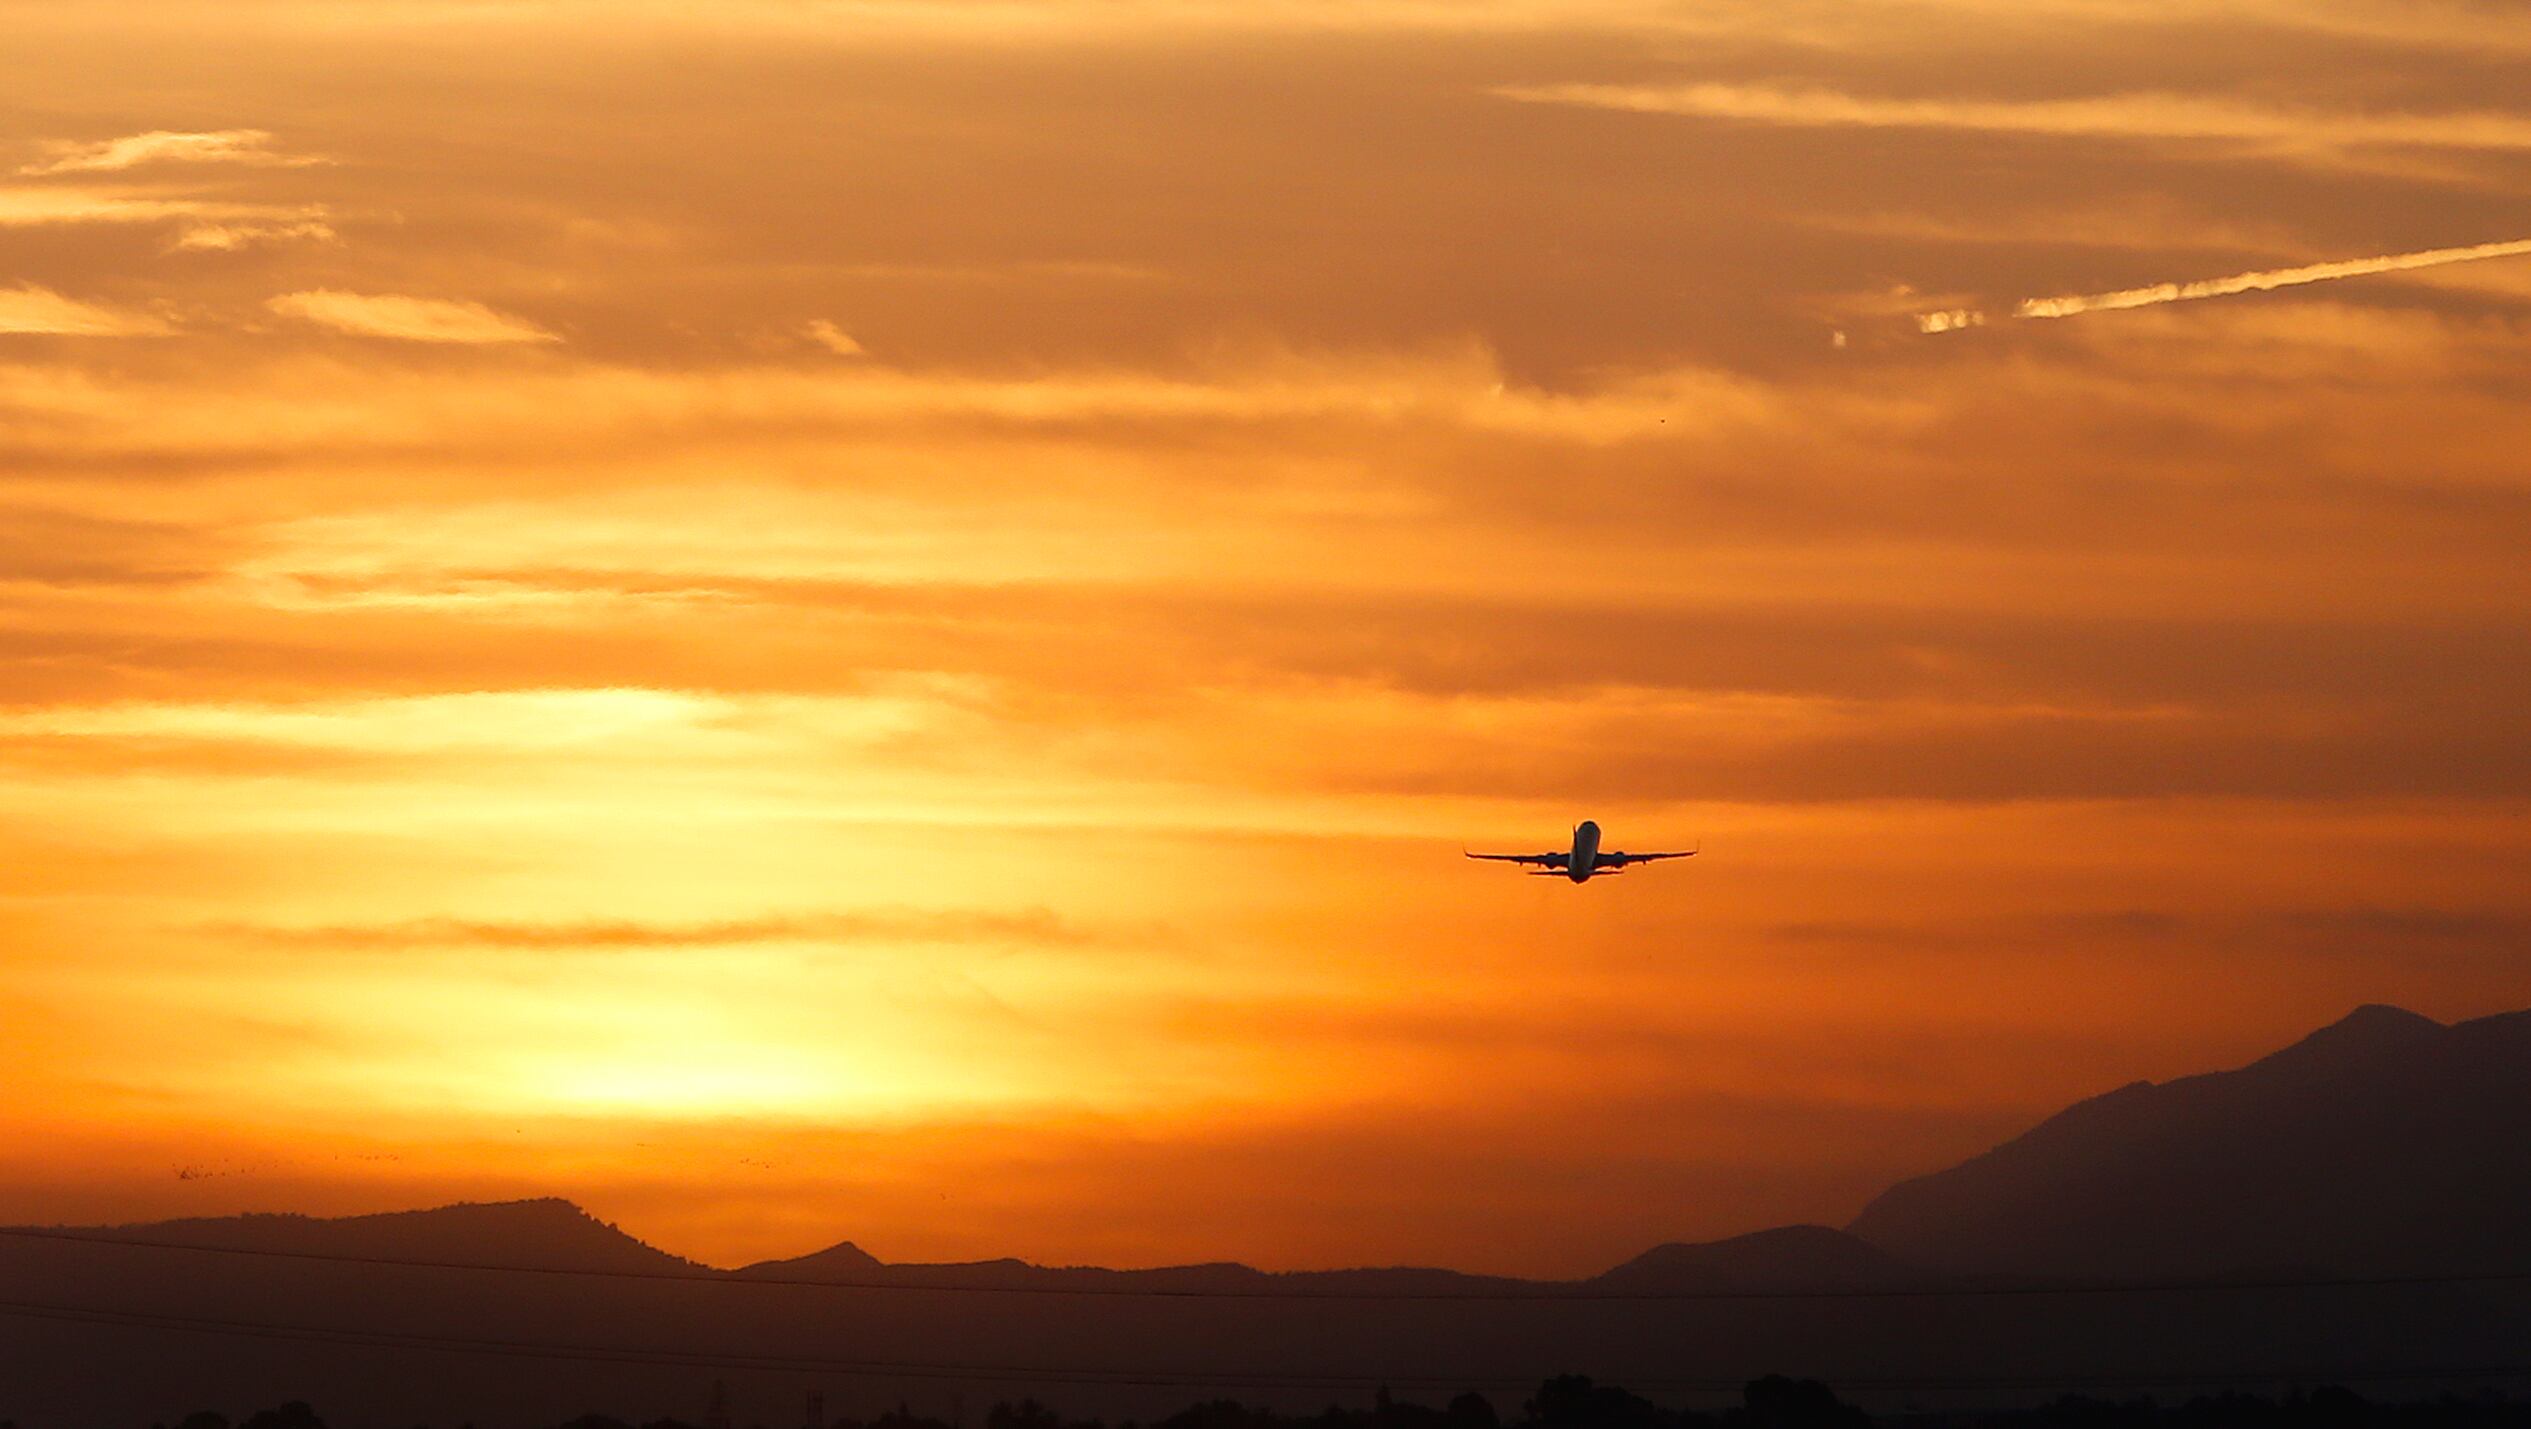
(2072, 305)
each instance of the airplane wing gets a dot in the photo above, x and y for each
(1620, 860)
(1541, 859)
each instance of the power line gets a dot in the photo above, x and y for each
(1545, 1292)
(620, 1354)
(1185, 1379)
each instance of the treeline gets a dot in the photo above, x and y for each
(1575, 1402)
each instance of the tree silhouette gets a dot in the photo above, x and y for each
(1780, 1402)
(1573, 1401)
(294, 1415)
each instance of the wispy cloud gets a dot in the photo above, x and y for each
(2126, 116)
(834, 339)
(203, 225)
(42, 205)
(408, 319)
(30, 309)
(2075, 304)
(2072, 304)
(2454, 24)
(1084, 270)
(159, 146)
(1033, 926)
(1950, 320)
(229, 237)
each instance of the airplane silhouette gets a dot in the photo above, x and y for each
(1581, 861)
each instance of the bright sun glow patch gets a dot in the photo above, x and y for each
(686, 1083)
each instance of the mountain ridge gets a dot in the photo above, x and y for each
(2383, 1143)
(563, 1234)
(427, 1236)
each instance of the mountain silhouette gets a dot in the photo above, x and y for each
(842, 1263)
(2384, 1144)
(1788, 1258)
(547, 1231)
(555, 1234)
(849, 1264)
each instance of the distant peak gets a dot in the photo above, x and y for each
(536, 1210)
(2375, 1024)
(2359, 1039)
(843, 1252)
(2382, 1014)
(1798, 1256)
(843, 1260)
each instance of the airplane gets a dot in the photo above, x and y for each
(1581, 861)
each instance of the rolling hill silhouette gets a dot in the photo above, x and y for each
(1789, 1258)
(548, 1231)
(2386, 1144)
(553, 1234)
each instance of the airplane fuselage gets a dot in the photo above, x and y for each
(1581, 860)
(1584, 860)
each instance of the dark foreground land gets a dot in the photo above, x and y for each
(1575, 1402)
(2348, 1210)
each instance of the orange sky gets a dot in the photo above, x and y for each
(884, 620)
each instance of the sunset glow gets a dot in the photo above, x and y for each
(887, 620)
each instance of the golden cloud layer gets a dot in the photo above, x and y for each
(1050, 528)
(408, 319)
(163, 146)
(30, 309)
(2162, 116)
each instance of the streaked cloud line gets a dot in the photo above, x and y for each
(827, 335)
(32, 310)
(217, 146)
(35, 205)
(1033, 926)
(2140, 115)
(408, 319)
(230, 237)
(1850, 28)
(2074, 304)
(205, 225)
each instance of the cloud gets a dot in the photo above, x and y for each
(1950, 320)
(2454, 24)
(218, 146)
(33, 205)
(2069, 306)
(2074, 305)
(1034, 926)
(229, 237)
(30, 309)
(210, 225)
(834, 339)
(2403, 933)
(328, 416)
(1071, 270)
(2115, 116)
(53, 547)
(408, 319)
(1001, 22)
